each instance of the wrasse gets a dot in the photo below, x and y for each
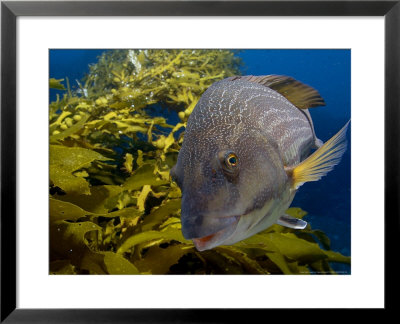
(248, 146)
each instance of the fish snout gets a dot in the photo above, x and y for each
(201, 225)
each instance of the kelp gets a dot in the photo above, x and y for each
(113, 206)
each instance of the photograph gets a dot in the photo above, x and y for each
(187, 161)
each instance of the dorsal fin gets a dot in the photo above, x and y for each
(299, 94)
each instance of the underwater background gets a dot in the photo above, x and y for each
(327, 202)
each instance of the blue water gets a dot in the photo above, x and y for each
(73, 64)
(328, 200)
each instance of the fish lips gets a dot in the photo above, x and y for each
(216, 238)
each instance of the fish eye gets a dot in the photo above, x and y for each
(231, 160)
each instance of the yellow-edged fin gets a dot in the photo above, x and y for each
(321, 161)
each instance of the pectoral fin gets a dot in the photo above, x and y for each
(291, 222)
(321, 161)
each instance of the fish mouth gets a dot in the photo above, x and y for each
(212, 240)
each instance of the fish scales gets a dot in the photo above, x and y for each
(257, 107)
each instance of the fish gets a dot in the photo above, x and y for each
(248, 146)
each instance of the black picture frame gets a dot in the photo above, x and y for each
(10, 10)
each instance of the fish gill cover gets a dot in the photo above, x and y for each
(113, 206)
